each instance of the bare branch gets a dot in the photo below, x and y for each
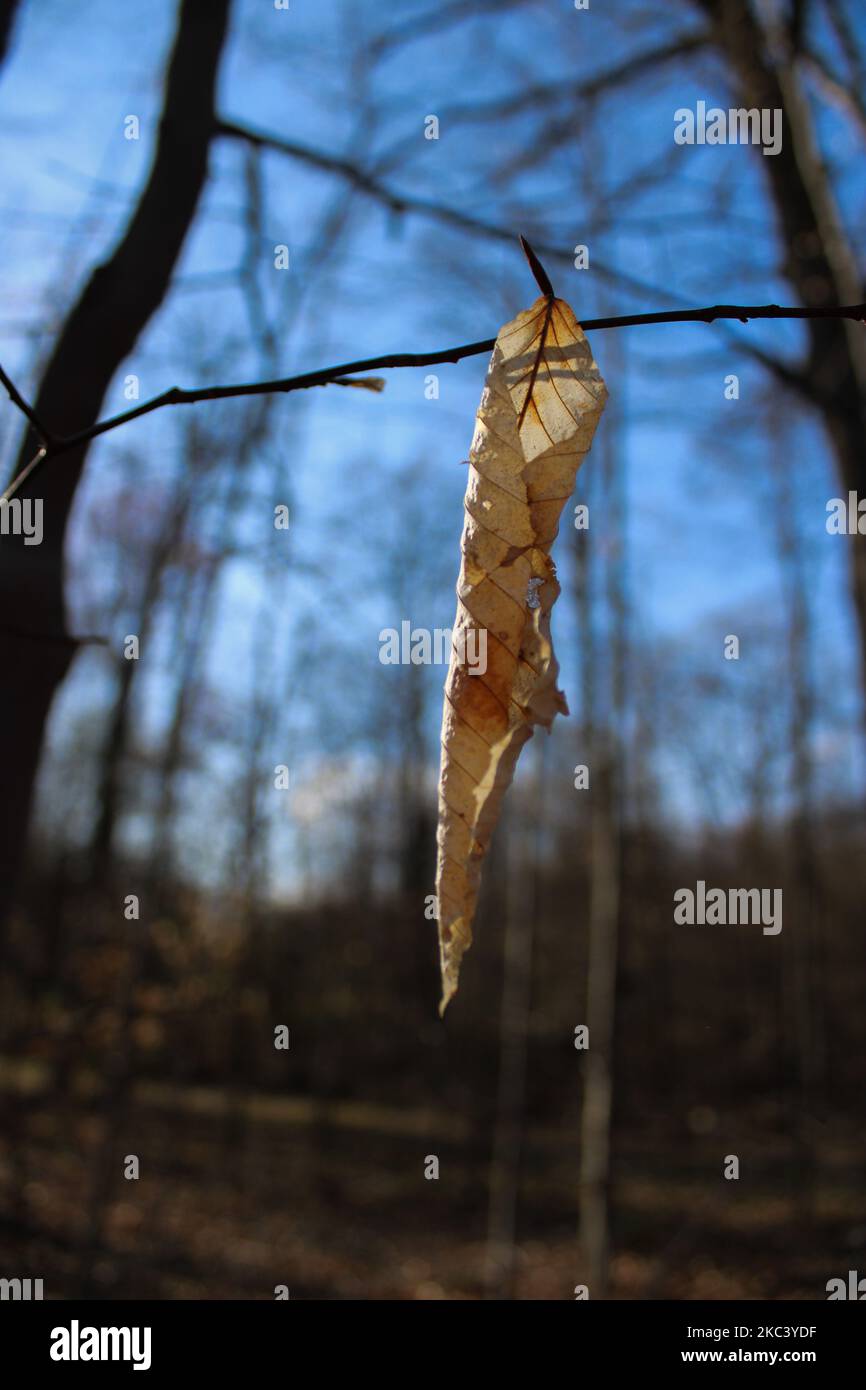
(795, 379)
(423, 207)
(847, 99)
(542, 279)
(319, 159)
(848, 41)
(344, 372)
(24, 406)
(26, 472)
(434, 20)
(63, 639)
(542, 96)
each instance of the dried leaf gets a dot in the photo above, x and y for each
(363, 383)
(542, 400)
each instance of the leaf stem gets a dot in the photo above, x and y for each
(542, 279)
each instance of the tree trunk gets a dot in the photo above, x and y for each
(102, 329)
(524, 831)
(8, 13)
(820, 262)
(604, 655)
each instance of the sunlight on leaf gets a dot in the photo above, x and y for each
(541, 403)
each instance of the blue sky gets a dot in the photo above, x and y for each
(701, 492)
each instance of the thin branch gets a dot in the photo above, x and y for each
(579, 92)
(62, 639)
(345, 373)
(434, 20)
(576, 89)
(318, 159)
(847, 41)
(26, 472)
(794, 378)
(398, 202)
(846, 99)
(26, 408)
(542, 279)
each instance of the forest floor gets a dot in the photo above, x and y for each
(237, 1194)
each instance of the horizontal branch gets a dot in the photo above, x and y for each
(345, 373)
(578, 93)
(405, 203)
(63, 639)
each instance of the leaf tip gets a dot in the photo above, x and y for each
(542, 278)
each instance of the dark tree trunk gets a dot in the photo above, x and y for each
(8, 13)
(819, 261)
(115, 306)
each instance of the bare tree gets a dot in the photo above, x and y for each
(523, 835)
(765, 58)
(8, 14)
(115, 306)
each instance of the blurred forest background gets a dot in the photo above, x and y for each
(305, 128)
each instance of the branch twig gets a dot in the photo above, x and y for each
(542, 279)
(26, 408)
(342, 373)
(405, 203)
